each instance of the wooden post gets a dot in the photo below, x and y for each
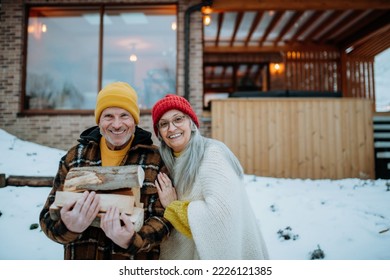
(2, 180)
(31, 181)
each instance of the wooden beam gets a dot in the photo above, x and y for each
(266, 49)
(368, 17)
(255, 22)
(2, 180)
(342, 25)
(236, 26)
(309, 22)
(327, 22)
(248, 50)
(382, 42)
(31, 181)
(275, 20)
(224, 59)
(220, 21)
(247, 5)
(367, 31)
(297, 15)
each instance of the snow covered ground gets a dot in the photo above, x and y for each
(301, 219)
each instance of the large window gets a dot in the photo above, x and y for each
(73, 52)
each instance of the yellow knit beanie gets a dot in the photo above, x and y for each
(118, 94)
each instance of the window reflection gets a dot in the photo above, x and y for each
(62, 69)
(140, 48)
(62, 58)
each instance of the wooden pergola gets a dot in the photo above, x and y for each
(323, 46)
(322, 50)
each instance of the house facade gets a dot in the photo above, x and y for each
(56, 55)
(60, 125)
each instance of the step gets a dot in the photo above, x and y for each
(381, 118)
(383, 155)
(380, 144)
(381, 135)
(381, 126)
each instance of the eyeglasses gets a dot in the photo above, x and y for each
(177, 121)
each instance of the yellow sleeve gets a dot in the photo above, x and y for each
(176, 213)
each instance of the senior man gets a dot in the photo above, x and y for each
(116, 141)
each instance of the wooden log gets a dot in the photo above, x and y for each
(125, 203)
(137, 217)
(2, 180)
(31, 181)
(104, 178)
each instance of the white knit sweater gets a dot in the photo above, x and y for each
(220, 216)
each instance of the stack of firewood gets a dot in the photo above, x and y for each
(115, 185)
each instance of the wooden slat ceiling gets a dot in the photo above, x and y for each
(252, 31)
(359, 27)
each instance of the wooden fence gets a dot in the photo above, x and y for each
(313, 138)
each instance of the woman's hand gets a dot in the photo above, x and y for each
(165, 189)
(110, 223)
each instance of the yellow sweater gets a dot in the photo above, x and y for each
(111, 157)
(176, 213)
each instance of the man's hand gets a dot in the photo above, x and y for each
(110, 223)
(78, 215)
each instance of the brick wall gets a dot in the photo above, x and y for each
(62, 131)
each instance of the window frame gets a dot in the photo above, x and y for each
(23, 110)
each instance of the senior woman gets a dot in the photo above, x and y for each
(206, 201)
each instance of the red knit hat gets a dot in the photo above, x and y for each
(171, 102)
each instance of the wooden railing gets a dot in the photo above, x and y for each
(298, 137)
